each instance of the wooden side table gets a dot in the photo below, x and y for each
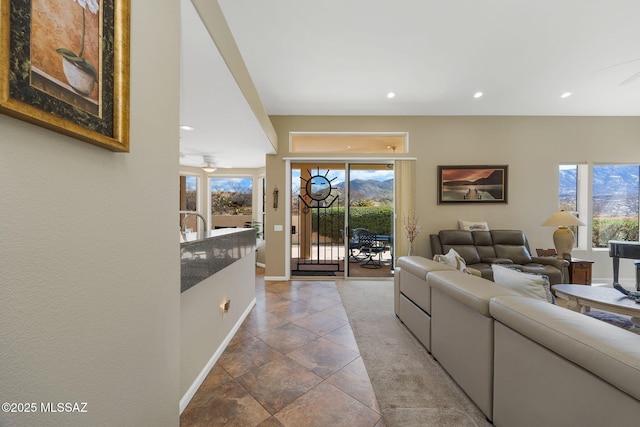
(580, 271)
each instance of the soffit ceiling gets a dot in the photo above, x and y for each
(211, 102)
(337, 57)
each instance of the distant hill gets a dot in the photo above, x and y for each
(494, 179)
(369, 189)
(239, 185)
(607, 180)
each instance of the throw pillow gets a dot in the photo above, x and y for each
(527, 284)
(452, 259)
(473, 225)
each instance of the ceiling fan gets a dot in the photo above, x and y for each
(207, 162)
(210, 164)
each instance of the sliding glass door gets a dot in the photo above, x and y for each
(342, 219)
(370, 220)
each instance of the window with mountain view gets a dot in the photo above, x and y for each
(568, 188)
(615, 203)
(568, 194)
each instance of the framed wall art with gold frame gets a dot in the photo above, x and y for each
(64, 65)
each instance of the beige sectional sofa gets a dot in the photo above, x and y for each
(523, 361)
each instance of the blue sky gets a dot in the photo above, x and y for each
(222, 184)
(231, 184)
(375, 175)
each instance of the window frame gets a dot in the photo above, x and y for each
(253, 179)
(585, 202)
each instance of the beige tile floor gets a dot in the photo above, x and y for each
(293, 362)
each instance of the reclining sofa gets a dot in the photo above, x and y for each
(480, 249)
(523, 361)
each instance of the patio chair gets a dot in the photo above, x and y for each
(355, 255)
(370, 246)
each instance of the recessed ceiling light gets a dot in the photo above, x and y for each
(391, 95)
(478, 95)
(565, 95)
(185, 127)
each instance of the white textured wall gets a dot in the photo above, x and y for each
(89, 255)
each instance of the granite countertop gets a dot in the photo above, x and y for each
(204, 254)
(197, 236)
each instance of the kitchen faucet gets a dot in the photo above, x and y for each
(187, 215)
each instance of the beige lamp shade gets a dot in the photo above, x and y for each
(563, 238)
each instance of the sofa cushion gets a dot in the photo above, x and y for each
(527, 284)
(486, 253)
(498, 260)
(482, 238)
(484, 244)
(508, 237)
(462, 242)
(456, 237)
(518, 254)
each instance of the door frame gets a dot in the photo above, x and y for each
(341, 160)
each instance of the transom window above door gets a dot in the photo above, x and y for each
(376, 143)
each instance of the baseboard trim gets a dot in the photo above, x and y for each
(191, 391)
(259, 264)
(276, 278)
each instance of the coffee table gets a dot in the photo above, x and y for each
(582, 298)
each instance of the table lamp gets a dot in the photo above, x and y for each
(563, 237)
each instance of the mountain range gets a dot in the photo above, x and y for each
(494, 179)
(608, 180)
(369, 189)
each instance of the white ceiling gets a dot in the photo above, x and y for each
(212, 103)
(341, 57)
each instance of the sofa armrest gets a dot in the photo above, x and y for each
(420, 266)
(474, 272)
(436, 246)
(556, 262)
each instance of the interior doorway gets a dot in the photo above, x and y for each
(342, 219)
